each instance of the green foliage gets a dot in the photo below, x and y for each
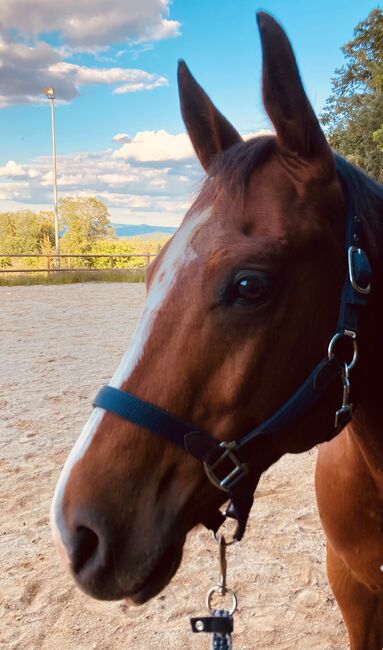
(85, 219)
(353, 114)
(25, 231)
(125, 247)
(87, 231)
(114, 254)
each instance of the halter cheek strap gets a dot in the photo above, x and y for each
(236, 466)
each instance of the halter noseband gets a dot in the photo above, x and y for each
(227, 464)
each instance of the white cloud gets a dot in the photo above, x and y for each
(122, 137)
(11, 169)
(91, 23)
(154, 182)
(33, 173)
(132, 87)
(257, 134)
(153, 177)
(158, 146)
(134, 79)
(172, 205)
(154, 146)
(135, 191)
(120, 199)
(25, 71)
(14, 190)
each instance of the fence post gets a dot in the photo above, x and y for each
(111, 261)
(147, 260)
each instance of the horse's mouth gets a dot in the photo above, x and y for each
(159, 577)
(109, 583)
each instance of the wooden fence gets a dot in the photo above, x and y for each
(65, 262)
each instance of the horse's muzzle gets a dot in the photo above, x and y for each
(105, 566)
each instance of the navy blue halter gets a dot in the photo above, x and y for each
(232, 466)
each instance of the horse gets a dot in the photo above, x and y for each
(241, 305)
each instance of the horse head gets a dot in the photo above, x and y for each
(240, 306)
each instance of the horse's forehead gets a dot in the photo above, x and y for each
(181, 249)
(193, 240)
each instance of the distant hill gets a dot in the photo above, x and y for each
(142, 231)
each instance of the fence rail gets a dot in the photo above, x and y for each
(50, 259)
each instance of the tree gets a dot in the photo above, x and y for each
(25, 231)
(84, 220)
(353, 115)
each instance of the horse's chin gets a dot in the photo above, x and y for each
(159, 578)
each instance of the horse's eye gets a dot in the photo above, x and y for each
(250, 288)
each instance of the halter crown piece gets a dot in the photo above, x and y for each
(228, 464)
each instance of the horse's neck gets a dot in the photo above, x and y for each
(367, 427)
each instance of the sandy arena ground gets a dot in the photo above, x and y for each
(59, 345)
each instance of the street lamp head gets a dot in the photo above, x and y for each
(49, 92)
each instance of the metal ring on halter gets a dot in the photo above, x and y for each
(335, 338)
(214, 590)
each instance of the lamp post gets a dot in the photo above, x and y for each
(50, 93)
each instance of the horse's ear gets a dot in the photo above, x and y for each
(299, 134)
(209, 131)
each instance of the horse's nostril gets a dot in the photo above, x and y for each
(85, 548)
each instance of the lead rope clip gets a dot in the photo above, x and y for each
(345, 411)
(220, 622)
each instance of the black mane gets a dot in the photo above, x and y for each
(367, 195)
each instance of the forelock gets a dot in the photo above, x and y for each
(229, 174)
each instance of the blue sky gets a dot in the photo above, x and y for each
(113, 65)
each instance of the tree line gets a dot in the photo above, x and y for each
(353, 115)
(85, 228)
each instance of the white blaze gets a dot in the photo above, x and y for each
(179, 254)
(80, 447)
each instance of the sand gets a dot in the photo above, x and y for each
(59, 345)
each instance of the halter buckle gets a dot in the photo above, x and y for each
(358, 269)
(236, 474)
